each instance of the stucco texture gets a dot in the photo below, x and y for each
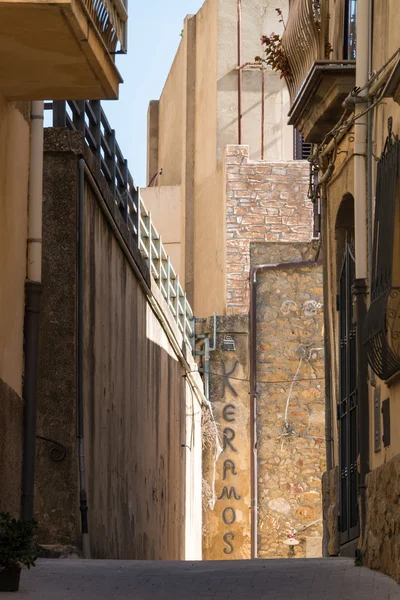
(14, 173)
(142, 416)
(227, 519)
(197, 117)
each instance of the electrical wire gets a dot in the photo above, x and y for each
(291, 389)
(260, 380)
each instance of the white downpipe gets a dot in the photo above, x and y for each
(360, 143)
(35, 197)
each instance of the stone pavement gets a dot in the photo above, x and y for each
(299, 579)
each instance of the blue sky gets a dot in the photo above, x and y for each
(154, 36)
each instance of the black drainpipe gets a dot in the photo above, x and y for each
(253, 387)
(360, 297)
(327, 367)
(33, 292)
(80, 397)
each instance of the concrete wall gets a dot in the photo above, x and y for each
(291, 412)
(142, 416)
(197, 116)
(14, 174)
(265, 202)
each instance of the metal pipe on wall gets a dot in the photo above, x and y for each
(360, 142)
(370, 191)
(327, 368)
(262, 111)
(33, 292)
(83, 505)
(253, 388)
(361, 243)
(327, 340)
(239, 62)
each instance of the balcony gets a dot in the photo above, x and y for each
(317, 86)
(61, 49)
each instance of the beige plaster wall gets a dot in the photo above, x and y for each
(14, 174)
(259, 18)
(172, 122)
(209, 208)
(198, 117)
(165, 204)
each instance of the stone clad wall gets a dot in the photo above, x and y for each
(265, 202)
(291, 417)
(382, 545)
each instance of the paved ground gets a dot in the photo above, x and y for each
(326, 579)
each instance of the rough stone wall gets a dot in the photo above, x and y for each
(382, 544)
(290, 412)
(265, 202)
(11, 411)
(331, 497)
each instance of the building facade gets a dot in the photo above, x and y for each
(85, 387)
(344, 99)
(221, 164)
(214, 95)
(47, 51)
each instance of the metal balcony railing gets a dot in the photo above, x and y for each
(304, 40)
(160, 266)
(110, 18)
(89, 118)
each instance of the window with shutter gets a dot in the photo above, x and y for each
(382, 325)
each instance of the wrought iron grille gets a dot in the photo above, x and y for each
(89, 118)
(304, 40)
(347, 407)
(382, 325)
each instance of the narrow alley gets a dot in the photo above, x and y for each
(316, 579)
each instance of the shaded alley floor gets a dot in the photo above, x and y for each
(320, 579)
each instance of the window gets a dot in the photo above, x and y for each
(302, 150)
(382, 325)
(349, 38)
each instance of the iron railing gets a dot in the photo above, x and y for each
(110, 19)
(89, 118)
(161, 269)
(304, 40)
